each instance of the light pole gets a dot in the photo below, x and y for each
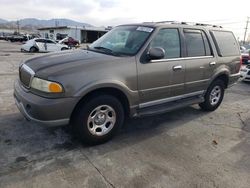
(245, 34)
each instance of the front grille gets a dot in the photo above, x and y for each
(26, 74)
(248, 73)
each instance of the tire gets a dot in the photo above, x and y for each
(213, 96)
(33, 49)
(98, 119)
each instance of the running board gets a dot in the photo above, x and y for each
(169, 106)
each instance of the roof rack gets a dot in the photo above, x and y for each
(189, 23)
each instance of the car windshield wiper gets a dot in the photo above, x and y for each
(106, 50)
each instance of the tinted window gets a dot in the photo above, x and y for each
(194, 43)
(40, 40)
(226, 43)
(169, 40)
(50, 41)
(206, 43)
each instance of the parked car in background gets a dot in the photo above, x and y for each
(16, 37)
(43, 45)
(242, 49)
(245, 55)
(245, 73)
(71, 42)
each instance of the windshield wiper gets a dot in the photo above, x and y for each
(106, 50)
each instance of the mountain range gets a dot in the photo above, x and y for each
(33, 23)
(3, 21)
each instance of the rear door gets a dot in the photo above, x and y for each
(200, 61)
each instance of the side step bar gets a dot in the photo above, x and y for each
(169, 106)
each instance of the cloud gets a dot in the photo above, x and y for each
(115, 12)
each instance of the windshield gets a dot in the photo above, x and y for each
(122, 40)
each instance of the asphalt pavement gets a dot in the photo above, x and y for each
(183, 148)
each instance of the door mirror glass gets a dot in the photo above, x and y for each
(156, 53)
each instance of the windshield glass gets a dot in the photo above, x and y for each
(122, 40)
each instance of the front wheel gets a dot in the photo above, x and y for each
(98, 119)
(213, 96)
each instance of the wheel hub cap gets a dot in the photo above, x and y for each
(215, 95)
(101, 120)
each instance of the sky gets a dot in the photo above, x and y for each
(230, 14)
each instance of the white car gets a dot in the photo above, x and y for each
(245, 73)
(43, 45)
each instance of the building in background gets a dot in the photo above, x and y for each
(83, 34)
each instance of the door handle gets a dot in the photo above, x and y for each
(212, 63)
(177, 67)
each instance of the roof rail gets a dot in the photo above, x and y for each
(189, 23)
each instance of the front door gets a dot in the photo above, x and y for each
(161, 80)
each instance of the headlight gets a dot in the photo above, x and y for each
(46, 86)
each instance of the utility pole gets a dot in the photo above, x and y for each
(76, 33)
(246, 30)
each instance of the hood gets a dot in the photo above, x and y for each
(66, 59)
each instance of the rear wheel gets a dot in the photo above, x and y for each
(33, 49)
(213, 96)
(98, 119)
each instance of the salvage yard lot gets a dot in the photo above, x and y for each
(183, 148)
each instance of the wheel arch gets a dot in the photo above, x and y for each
(37, 49)
(223, 75)
(113, 91)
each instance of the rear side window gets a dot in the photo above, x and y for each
(50, 41)
(40, 40)
(196, 43)
(226, 43)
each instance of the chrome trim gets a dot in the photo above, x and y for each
(181, 58)
(170, 99)
(51, 123)
(32, 73)
(163, 87)
(198, 81)
(212, 63)
(24, 66)
(177, 67)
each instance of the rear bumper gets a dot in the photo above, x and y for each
(233, 79)
(50, 112)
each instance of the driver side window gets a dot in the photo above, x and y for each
(169, 40)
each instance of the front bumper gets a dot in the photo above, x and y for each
(50, 112)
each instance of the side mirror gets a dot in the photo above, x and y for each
(156, 53)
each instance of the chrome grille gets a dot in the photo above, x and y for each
(25, 75)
